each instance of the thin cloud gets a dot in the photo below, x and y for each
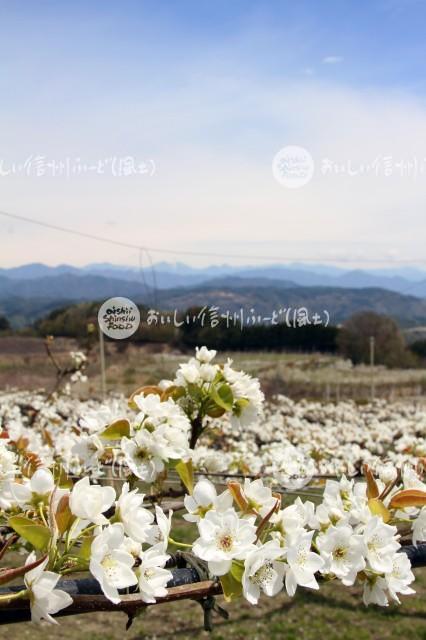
(332, 59)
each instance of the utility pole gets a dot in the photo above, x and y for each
(372, 356)
(102, 353)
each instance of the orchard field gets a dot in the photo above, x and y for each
(334, 613)
(23, 365)
(247, 451)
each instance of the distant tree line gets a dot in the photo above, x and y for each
(277, 337)
(4, 324)
(351, 340)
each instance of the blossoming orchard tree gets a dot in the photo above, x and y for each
(93, 494)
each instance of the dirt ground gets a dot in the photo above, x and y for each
(333, 613)
(24, 365)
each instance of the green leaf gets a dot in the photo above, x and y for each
(237, 570)
(60, 476)
(186, 474)
(240, 404)
(377, 508)
(195, 392)
(223, 396)
(232, 587)
(212, 409)
(85, 548)
(37, 534)
(116, 430)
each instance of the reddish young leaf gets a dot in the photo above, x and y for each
(408, 498)
(239, 497)
(372, 488)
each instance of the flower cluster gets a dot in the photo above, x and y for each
(261, 547)
(160, 433)
(213, 390)
(243, 533)
(86, 527)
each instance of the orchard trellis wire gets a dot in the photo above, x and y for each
(186, 584)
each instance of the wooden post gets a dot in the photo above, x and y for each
(327, 392)
(372, 354)
(102, 353)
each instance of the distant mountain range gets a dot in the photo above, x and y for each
(30, 291)
(166, 275)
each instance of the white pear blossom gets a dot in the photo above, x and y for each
(208, 372)
(247, 395)
(205, 355)
(133, 547)
(154, 412)
(419, 527)
(136, 520)
(88, 449)
(159, 533)
(375, 591)
(96, 418)
(203, 499)
(34, 491)
(152, 577)
(400, 577)
(171, 443)
(387, 473)
(8, 467)
(302, 564)
(165, 384)
(343, 553)
(141, 456)
(89, 502)
(7, 499)
(289, 466)
(411, 479)
(211, 461)
(262, 572)
(223, 538)
(381, 544)
(259, 497)
(8, 470)
(45, 599)
(110, 563)
(188, 372)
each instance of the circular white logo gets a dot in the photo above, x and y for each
(119, 318)
(293, 167)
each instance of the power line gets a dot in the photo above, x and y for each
(75, 232)
(154, 278)
(141, 271)
(205, 254)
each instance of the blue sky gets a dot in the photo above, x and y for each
(209, 92)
